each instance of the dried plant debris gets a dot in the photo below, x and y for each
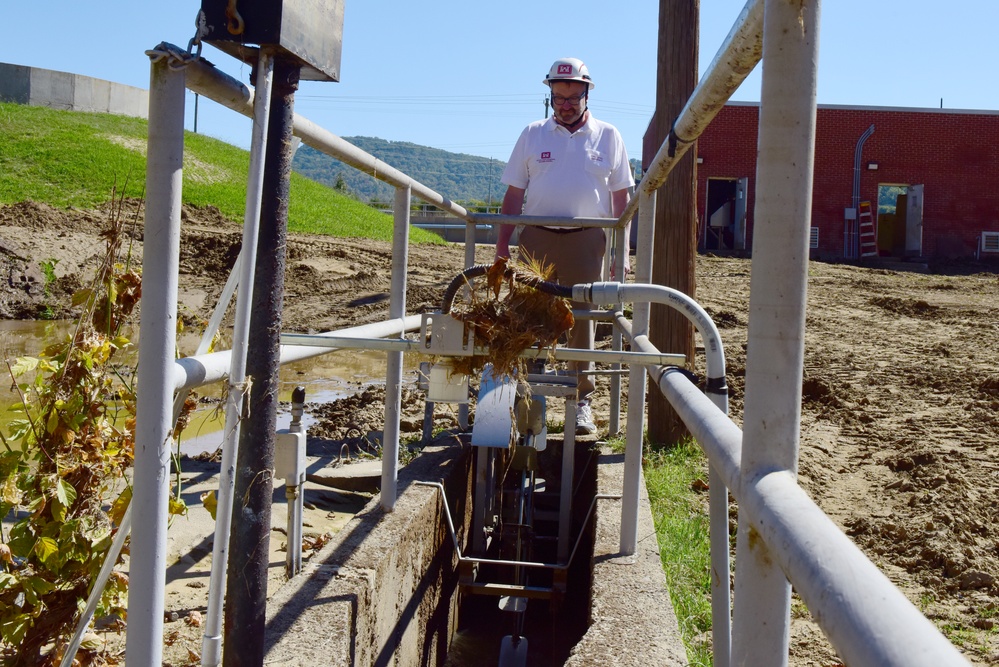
(508, 316)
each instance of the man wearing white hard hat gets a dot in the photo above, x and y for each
(569, 165)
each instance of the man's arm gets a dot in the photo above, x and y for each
(513, 204)
(619, 202)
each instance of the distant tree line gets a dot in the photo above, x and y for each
(458, 176)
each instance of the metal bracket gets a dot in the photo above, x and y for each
(444, 335)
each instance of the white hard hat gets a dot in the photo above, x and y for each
(569, 69)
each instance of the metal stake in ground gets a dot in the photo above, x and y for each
(249, 542)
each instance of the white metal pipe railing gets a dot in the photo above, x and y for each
(868, 620)
(393, 376)
(327, 341)
(190, 372)
(777, 303)
(211, 646)
(641, 293)
(204, 79)
(158, 332)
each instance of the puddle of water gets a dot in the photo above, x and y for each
(325, 378)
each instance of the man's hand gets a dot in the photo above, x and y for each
(513, 204)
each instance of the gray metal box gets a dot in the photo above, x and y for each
(311, 31)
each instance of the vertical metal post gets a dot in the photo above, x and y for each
(246, 602)
(567, 485)
(295, 490)
(776, 312)
(211, 643)
(470, 239)
(637, 379)
(721, 592)
(393, 377)
(157, 331)
(617, 339)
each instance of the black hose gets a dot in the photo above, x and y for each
(472, 272)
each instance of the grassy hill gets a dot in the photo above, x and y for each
(67, 158)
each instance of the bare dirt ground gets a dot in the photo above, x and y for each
(900, 407)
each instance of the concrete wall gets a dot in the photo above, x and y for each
(61, 90)
(632, 621)
(383, 592)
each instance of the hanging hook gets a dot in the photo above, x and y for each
(235, 25)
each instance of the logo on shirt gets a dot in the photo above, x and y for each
(565, 69)
(546, 156)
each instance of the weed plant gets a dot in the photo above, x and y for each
(681, 521)
(63, 481)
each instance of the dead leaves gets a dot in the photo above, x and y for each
(510, 316)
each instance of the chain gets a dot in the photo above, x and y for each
(200, 30)
(176, 57)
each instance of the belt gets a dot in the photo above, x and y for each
(562, 230)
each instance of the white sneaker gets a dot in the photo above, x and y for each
(584, 419)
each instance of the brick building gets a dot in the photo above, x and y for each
(922, 185)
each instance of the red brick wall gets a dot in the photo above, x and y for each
(955, 155)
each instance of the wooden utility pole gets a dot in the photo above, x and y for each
(675, 245)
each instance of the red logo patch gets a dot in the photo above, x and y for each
(565, 69)
(546, 155)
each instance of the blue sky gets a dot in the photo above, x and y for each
(465, 76)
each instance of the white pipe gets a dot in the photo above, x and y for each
(205, 80)
(157, 331)
(211, 642)
(621, 252)
(393, 377)
(604, 293)
(189, 372)
(868, 620)
(634, 438)
(333, 342)
(718, 391)
(777, 302)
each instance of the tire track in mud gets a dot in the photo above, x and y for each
(900, 398)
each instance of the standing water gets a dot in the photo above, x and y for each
(325, 378)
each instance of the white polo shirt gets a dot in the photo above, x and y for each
(569, 174)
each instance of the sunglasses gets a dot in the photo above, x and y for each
(558, 100)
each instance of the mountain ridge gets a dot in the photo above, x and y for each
(458, 176)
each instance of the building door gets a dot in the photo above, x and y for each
(725, 212)
(741, 196)
(892, 208)
(914, 221)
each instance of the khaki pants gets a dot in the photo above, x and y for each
(578, 258)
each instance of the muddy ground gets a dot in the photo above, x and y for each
(900, 408)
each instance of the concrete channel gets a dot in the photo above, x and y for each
(386, 590)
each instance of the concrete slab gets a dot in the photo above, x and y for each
(632, 621)
(363, 477)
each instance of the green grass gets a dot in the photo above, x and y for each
(69, 158)
(681, 521)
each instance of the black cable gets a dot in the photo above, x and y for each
(472, 272)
